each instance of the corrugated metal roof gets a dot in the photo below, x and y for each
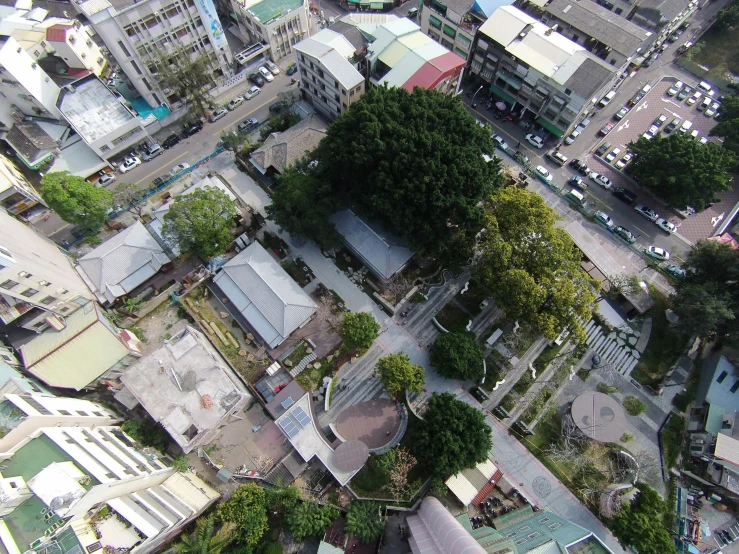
(393, 54)
(727, 448)
(460, 487)
(76, 356)
(435, 531)
(333, 51)
(326, 548)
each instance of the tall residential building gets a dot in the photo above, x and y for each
(454, 23)
(37, 278)
(278, 24)
(535, 70)
(69, 490)
(16, 194)
(140, 35)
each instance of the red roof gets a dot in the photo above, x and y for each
(487, 489)
(57, 33)
(447, 62)
(726, 238)
(434, 71)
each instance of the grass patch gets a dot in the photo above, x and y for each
(524, 382)
(508, 402)
(493, 375)
(296, 272)
(626, 437)
(717, 52)
(634, 406)
(663, 349)
(297, 354)
(536, 405)
(605, 389)
(472, 298)
(672, 439)
(547, 356)
(453, 318)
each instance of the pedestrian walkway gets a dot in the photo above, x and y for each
(515, 374)
(615, 349)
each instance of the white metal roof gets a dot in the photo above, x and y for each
(333, 51)
(727, 448)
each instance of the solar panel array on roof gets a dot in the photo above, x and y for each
(287, 402)
(289, 427)
(301, 416)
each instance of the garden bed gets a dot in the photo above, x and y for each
(536, 405)
(453, 318)
(295, 270)
(472, 298)
(275, 244)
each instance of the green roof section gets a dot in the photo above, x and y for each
(551, 127)
(715, 419)
(271, 9)
(34, 456)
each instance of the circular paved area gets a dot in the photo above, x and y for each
(599, 416)
(370, 422)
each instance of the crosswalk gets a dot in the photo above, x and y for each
(613, 348)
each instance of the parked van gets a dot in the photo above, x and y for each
(706, 102)
(607, 98)
(685, 127)
(152, 151)
(705, 87)
(673, 125)
(576, 198)
(694, 134)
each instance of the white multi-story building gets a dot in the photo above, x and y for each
(16, 194)
(454, 23)
(280, 24)
(69, 490)
(138, 33)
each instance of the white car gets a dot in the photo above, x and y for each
(702, 140)
(500, 141)
(613, 154)
(674, 89)
(693, 99)
(651, 132)
(105, 178)
(657, 253)
(572, 136)
(179, 168)
(647, 212)
(712, 109)
(620, 164)
(534, 141)
(273, 69)
(129, 163)
(605, 219)
(543, 174)
(252, 92)
(602, 180)
(235, 103)
(264, 72)
(666, 225)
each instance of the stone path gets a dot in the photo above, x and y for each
(616, 349)
(515, 374)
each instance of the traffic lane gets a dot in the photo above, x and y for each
(513, 134)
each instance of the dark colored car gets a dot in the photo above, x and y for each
(603, 149)
(257, 79)
(192, 128)
(580, 167)
(170, 141)
(625, 234)
(624, 195)
(277, 107)
(292, 69)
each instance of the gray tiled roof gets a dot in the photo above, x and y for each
(281, 150)
(667, 9)
(621, 35)
(29, 139)
(383, 253)
(589, 77)
(350, 33)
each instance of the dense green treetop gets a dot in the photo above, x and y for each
(398, 374)
(75, 200)
(457, 356)
(359, 330)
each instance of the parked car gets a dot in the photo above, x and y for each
(534, 140)
(673, 125)
(500, 142)
(273, 69)
(657, 253)
(603, 149)
(712, 109)
(705, 103)
(128, 164)
(683, 94)
(604, 218)
(171, 141)
(702, 140)
(192, 128)
(572, 137)
(624, 194)
(602, 180)
(652, 132)
(660, 120)
(247, 124)
(277, 107)
(235, 103)
(613, 154)
(653, 58)
(292, 69)
(151, 152)
(578, 182)
(675, 271)
(674, 89)
(218, 114)
(266, 75)
(580, 167)
(257, 79)
(607, 128)
(252, 92)
(179, 168)
(693, 99)
(665, 225)
(607, 99)
(105, 178)
(620, 114)
(620, 164)
(647, 212)
(543, 174)
(625, 234)
(557, 157)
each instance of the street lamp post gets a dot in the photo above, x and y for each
(473, 96)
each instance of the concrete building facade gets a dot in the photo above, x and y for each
(16, 194)
(454, 23)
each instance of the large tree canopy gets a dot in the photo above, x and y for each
(531, 268)
(640, 524)
(364, 521)
(457, 356)
(247, 511)
(452, 437)
(201, 222)
(359, 330)
(728, 119)
(189, 78)
(707, 300)
(412, 162)
(75, 200)
(308, 519)
(398, 374)
(680, 170)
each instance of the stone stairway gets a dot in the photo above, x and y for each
(615, 349)
(301, 366)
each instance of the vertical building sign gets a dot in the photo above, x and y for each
(212, 24)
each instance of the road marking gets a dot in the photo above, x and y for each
(161, 168)
(644, 105)
(522, 148)
(65, 226)
(624, 125)
(668, 101)
(642, 230)
(718, 219)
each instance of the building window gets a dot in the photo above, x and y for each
(99, 414)
(619, 11)
(449, 31)
(151, 22)
(147, 85)
(461, 53)
(130, 31)
(64, 412)
(434, 22)
(173, 12)
(135, 67)
(123, 48)
(464, 40)
(351, 93)
(82, 413)
(28, 293)
(47, 300)
(104, 148)
(156, 99)
(8, 284)
(575, 37)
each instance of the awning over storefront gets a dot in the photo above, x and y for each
(504, 95)
(377, 5)
(551, 127)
